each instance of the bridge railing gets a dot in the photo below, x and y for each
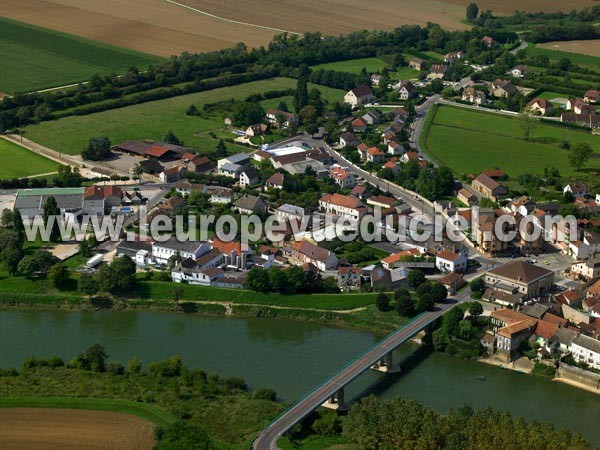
(337, 372)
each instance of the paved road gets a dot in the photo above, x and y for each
(267, 440)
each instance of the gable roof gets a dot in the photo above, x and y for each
(249, 202)
(448, 256)
(375, 151)
(101, 192)
(345, 201)
(276, 179)
(587, 343)
(362, 91)
(156, 151)
(451, 278)
(487, 181)
(439, 68)
(541, 102)
(250, 172)
(396, 257)
(311, 250)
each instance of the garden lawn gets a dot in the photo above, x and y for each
(471, 141)
(404, 73)
(36, 58)
(18, 162)
(354, 65)
(549, 95)
(152, 120)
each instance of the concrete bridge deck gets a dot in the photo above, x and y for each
(267, 440)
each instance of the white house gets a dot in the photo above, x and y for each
(360, 95)
(342, 205)
(219, 195)
(447, 261)
(577, 189)
(518, 71)
(307, 252)
(343, 177)
(586, 349)
(472, 95)
(290, 212)
(187, 271)
(406, 90)
(248, 177)
(163, 251)
(586, 247)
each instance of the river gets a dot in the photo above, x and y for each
(292, 357)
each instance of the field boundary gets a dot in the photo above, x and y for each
(152, 413)
(425, 133)
(236, 22)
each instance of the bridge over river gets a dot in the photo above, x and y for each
(331, 390)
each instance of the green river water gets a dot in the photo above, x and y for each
(292, 357)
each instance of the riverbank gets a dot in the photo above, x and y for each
(291, 357)
(521, 365)
(366, 318)
(577, 384)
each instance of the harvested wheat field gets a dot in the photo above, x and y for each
(73, 429)
(166, 27)
(591, 48)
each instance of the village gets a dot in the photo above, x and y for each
(369, 154)
(553, 307)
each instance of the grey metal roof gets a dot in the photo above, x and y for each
(30, 205)
(182, 246)
(238, 158)
(231, 167)
(291, 209)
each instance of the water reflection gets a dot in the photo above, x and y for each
(293, 357)
(278, 332)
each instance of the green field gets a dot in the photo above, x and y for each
(470, 141)
(35, 58)
(153, 119)
(404, 73)
(549, 95)
(18, 162)
(581, 60)
(163, 290)
(435, 55)
(354, 65)
(149, 412)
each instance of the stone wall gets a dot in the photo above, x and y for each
(572, 373)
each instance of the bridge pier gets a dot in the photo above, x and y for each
(336, 402)
(386, 364)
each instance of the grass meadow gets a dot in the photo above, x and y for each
(18, 162)
(152, 120)
(371, 65)
(470, 141)
(36, 58)
(581, 60)
(150, 412)
(354, 65)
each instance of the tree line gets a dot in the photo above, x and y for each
(285, 55)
